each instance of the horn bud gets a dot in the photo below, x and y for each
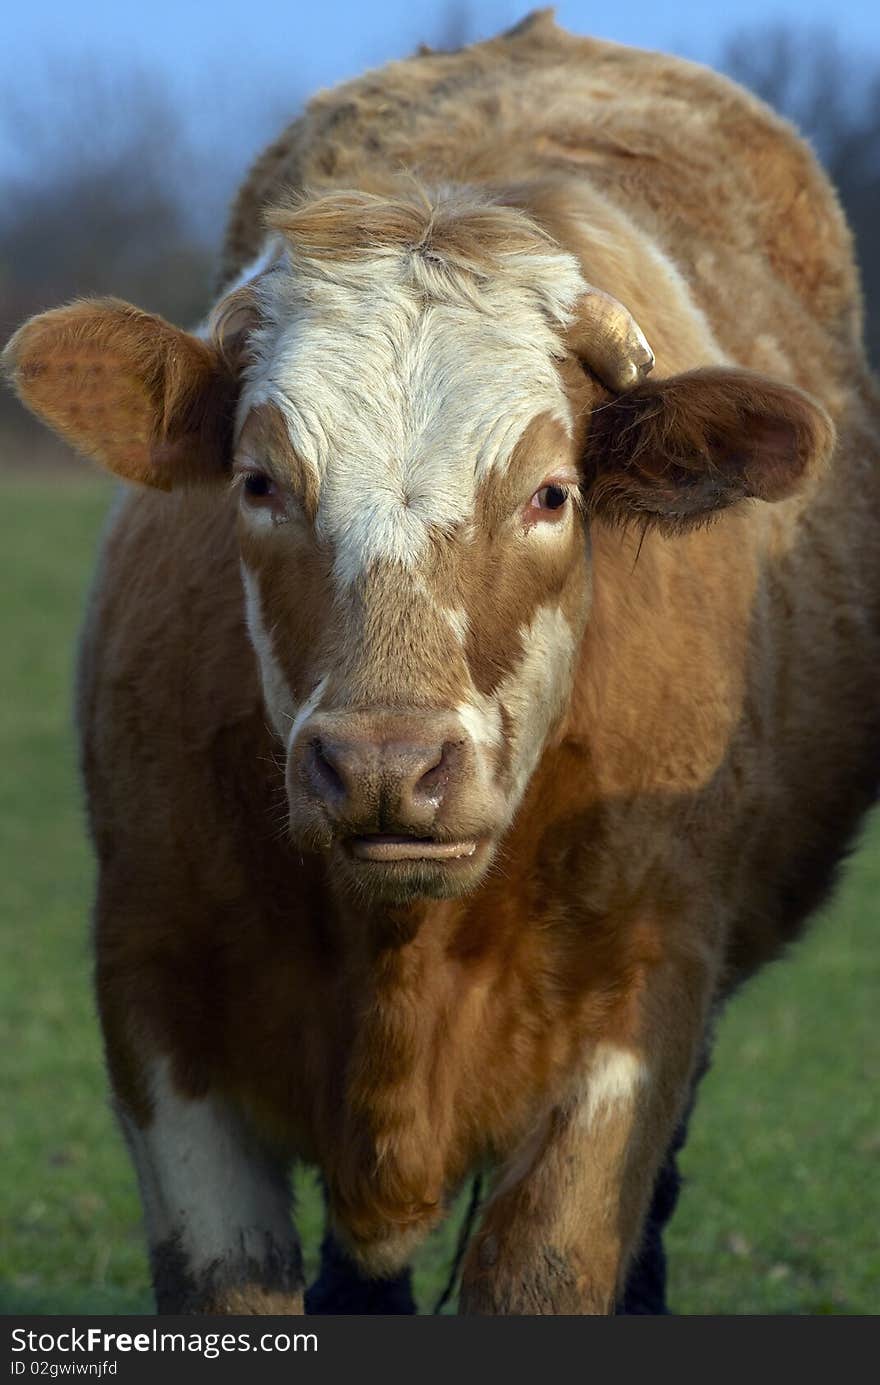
(611, 342)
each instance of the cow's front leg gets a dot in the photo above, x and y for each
(342, 1287)
(567, 1217)
(216, 1205)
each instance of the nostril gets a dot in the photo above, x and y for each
(326, 779)
(434, 779)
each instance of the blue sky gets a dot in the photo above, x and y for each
(226, 57)
(318, 43)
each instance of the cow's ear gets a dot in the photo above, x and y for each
(673, 452)
(152, 403)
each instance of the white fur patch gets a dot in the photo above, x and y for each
(401, 401)
(270, 252)
(457, 619)
(534, 693)
(276, 693)
(303, 713)
(481, 719)
(204, 1181)
(699, 322)
(615, 1076)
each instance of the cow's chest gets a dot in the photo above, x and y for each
(398, 1077)
(428, 1088)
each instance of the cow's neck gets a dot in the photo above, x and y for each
(390, 1149)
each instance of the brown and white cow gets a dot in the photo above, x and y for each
(447, 767)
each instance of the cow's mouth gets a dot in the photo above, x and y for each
(391, 848)
(398, 868)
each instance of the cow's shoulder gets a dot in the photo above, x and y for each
(169, 703)
(707, 164)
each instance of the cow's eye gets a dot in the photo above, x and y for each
(548, 501)
(258, 486)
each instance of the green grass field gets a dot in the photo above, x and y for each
(782, 1205)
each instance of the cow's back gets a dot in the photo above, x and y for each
(720, 182)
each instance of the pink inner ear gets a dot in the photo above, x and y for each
(776, 458)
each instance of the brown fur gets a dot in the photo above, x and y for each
(719, 748)
(350, 226)
(127, 388)
(679, 450)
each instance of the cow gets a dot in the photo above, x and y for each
(479, 680)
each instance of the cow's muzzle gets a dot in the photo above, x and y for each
(397, 793)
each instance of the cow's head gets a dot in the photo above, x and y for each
(420, 406)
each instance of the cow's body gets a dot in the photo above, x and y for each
(686, 815)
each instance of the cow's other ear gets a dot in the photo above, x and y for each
(149, 401)
(673, 452)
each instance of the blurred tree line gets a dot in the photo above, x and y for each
(112, 194)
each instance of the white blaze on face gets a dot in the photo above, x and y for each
(285, 714)
(480, 717)
(310, 706)
(276, 693)
(535, 692)
(400, 399)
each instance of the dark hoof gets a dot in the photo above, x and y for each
(341, 1288)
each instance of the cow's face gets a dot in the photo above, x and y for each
(416, 458)
(414, 552)
(413, 666)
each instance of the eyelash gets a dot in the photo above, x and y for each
(257, 485)
(560, 495)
